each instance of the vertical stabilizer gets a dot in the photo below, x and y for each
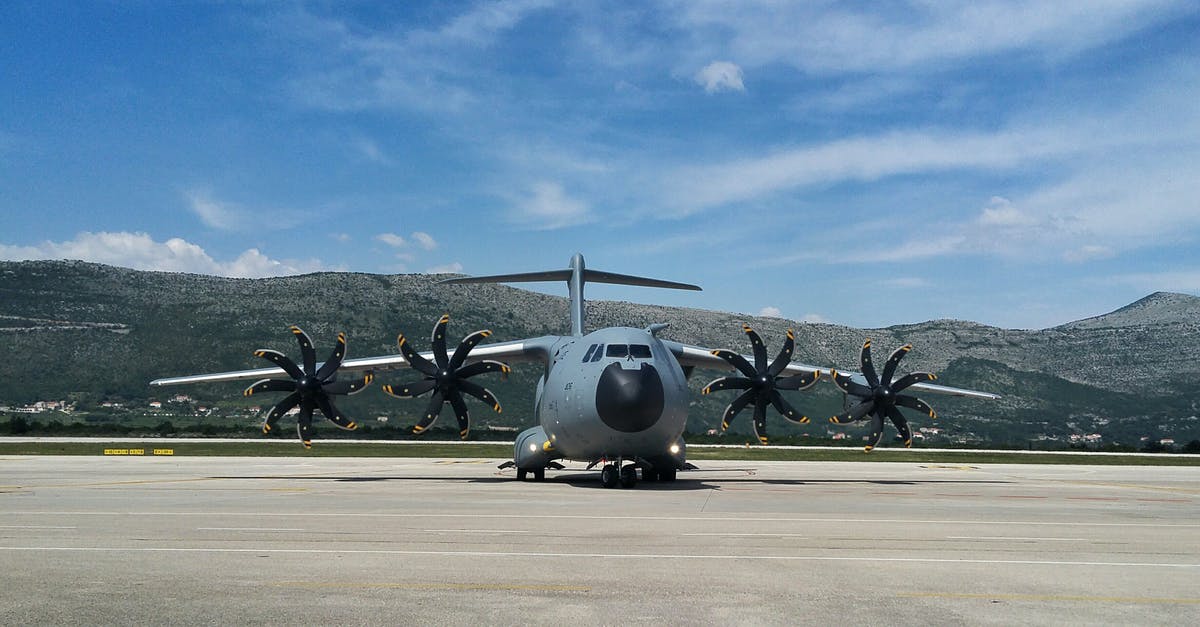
(576, 275)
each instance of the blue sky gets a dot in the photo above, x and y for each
(1020, 164)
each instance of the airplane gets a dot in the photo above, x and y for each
(616, 397)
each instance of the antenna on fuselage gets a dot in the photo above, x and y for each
(576, 275)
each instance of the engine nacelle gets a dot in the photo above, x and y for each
(530, 451)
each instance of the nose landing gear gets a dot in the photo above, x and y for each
(612, 475)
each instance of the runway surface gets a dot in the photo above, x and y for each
(105, 540)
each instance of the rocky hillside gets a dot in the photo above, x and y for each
(95, 332)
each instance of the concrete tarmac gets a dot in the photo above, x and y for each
(137, 540)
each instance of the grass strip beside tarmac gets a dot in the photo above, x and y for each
(252, 448)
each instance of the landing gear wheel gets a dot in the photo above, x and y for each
(608, 476)
(521, 473)
(629, 476)
(666, 474)
(539, 474)
(649, 474)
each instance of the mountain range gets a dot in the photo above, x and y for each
(91, 332)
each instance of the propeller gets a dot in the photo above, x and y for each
(446, 377)
(881, 397)
(311, 387)
(761, 383)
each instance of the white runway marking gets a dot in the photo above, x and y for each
(1015, 538)
(488, 531)
(468, 516)
(747, 535)
(633, 556)
(246, 529)
(34, 527)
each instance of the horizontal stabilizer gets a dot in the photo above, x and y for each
(589, 276)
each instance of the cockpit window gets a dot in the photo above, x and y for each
(636, 351)
(588, 356)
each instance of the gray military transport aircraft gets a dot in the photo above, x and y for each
(616, 397)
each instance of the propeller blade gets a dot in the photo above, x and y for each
(876, 431)
(855, 414)
(785, 355)
(760, 350)
(439, 341)
(736, 407)
(909, 379)
(481, 393)
(760, 418)
(306, 349)
(415, 388)
(727, 383)
(786, 409)
(351, 386)
(461, 412)
(281, 360)
(901, 423)
(422, 365)
(798, 382)
(465, 346)
(889, 368)
(868, 368)
(270, 385)
(432, 411)
(335, 359)
(848, 385)
(332, 414)
(913, 402)
(280, 408)
(304, 422)
(481, 367)
(737, 361)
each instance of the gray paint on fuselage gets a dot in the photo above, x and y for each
(567, 399)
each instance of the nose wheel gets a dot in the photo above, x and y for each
(613, 475)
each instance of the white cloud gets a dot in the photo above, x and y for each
(141, 252)
(1187, 280)
(831, 38)
(341, 237)
(868, 158)
(391, 239)
(424, 240)
(449, 268)
(213, 213)
(1088, 252)
(770, 312)
(434, 70)
(548, 207)
(720, 76)
(905, 282)
(371, 151)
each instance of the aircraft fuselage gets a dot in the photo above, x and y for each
(614, 393)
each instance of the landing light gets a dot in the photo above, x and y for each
(674, 449)
(532, 448)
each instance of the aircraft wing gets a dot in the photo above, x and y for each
(700, 357)
(533, 349)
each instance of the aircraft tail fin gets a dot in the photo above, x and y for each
(576, 276)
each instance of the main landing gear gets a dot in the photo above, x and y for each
(613, 475)
(626, 475)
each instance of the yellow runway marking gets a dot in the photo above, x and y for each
(1051, 597)
(401, 585)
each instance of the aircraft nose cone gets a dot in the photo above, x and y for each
(629, 400)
